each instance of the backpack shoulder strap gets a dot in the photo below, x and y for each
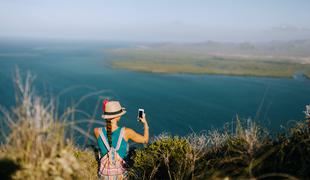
(120, 138)
(104, 139)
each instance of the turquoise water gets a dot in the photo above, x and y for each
(177, 103)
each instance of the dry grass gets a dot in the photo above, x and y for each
(34, 140)
(88, 163)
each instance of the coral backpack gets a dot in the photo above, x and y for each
(111, 164)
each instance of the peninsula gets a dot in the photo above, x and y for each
(274, 59)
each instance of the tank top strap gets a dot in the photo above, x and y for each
(103, 138)
(120, 138)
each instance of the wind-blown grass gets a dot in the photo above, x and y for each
(35, 143)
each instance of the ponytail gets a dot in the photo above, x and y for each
(109, 131)
(108, 122)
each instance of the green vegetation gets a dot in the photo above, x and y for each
(167, 157)
(247, 153)
(36, 147)
(307, 74)
(182, 60)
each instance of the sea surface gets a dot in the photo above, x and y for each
(174, 103)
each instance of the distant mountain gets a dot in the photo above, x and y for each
(297, 49)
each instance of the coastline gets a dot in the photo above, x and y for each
(130, 66)
(206, 59)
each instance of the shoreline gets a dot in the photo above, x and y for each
(222, 59)
(145, 70)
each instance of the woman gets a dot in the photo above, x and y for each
(113, 141)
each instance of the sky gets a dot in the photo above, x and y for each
(156, 20)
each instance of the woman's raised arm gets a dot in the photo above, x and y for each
(136, 137)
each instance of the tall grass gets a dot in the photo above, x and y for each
(34, 139)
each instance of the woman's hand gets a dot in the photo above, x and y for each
(143, 119)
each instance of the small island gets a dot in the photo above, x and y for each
(276, 59)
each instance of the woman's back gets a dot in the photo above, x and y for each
(113, 141)
(115, 135)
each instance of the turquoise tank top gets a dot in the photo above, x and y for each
(115, 134)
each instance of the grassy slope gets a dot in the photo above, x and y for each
(182, 61)
(247, 153)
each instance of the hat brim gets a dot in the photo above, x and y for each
(115, 115)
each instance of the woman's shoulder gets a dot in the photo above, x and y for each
(127, 132)
(97, 131)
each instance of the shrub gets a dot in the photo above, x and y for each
(248, 152)
(288, 154)
(166, 158)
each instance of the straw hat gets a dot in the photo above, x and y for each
(112, 109)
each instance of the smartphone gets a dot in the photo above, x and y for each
(140, 113)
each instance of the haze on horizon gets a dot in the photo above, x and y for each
(160, 20)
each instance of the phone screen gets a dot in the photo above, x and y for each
(140, 113)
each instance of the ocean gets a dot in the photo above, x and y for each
(178, 104)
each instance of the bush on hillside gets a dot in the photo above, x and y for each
(166, 158)
(249, 152)
(288, 154)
